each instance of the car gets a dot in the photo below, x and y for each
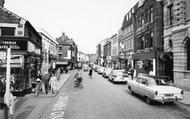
(117, 76)
(106, 72)
(100, 70)
(155, 89)
(85, 67)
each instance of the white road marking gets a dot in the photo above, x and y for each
(59, 108)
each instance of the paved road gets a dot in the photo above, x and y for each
(100, 99)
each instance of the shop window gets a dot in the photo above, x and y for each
(7, 31)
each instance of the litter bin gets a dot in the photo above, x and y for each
(3, 111)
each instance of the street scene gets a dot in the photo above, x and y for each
(95, 59)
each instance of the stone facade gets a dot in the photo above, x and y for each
(176, 39)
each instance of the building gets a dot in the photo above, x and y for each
(114, 51)
(177, 41)
(26, 48)
(49, 51)
(148, 37)
(99, 55)
(126, 41)
(67, 52)
(82, 57)
(107, 59)
(93, 58)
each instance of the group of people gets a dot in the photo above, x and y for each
(46, 83)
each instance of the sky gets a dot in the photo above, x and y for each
(87, 22)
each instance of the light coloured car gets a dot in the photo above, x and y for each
(106, 72)
(85, 67)
(100, 70)
(155, 89)
(117, 76)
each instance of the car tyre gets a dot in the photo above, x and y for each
(130, 90)
(148, 100)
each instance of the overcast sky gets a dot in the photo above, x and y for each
(86, 21)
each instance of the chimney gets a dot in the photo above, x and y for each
(2, 3)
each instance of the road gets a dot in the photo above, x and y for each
(100, 99)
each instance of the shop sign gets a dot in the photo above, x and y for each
(16, 61)
(18, 45)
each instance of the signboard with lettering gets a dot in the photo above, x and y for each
(15, 45)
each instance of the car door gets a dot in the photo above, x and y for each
(143, 87)
(136, 84)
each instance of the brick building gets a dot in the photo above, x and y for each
(67, 52)
(148, 32)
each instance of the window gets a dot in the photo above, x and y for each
(60, 47)
(60, 56)
(146, 16)
(188, 54)
(151, 40)
(142, 19)
(170, 14)
(151, 14)
(7, 31)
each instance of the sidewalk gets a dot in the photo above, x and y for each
(186, 99)
(32, 107)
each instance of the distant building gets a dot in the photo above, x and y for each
(114, 51)
(67, 52)
(49, 51)
(107, 54)
(81, 57)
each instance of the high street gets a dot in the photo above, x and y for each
(100, 99)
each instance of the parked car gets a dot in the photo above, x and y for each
(155, 89)
(117, 76)
(100, 70)
(85, 67)
(106, 72)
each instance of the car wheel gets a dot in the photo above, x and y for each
(130, 90)
(148, 100)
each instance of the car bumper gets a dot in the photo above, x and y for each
(168, 99)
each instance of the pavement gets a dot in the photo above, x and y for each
(32, 107)
(186, 99)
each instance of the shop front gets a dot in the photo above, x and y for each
(22, 64)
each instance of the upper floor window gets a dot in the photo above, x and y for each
(60, 48)
(188, 54)
(7, 31)
(151, 14)
(170, 14)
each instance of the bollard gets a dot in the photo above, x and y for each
(3, 111)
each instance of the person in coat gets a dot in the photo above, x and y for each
(53, 83)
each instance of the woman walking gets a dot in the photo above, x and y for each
(53, 83)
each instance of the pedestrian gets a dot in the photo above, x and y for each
(45, 83)
(53, 83)
(66, 69)
(90, 73)
(132, 72)
(38, 86)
